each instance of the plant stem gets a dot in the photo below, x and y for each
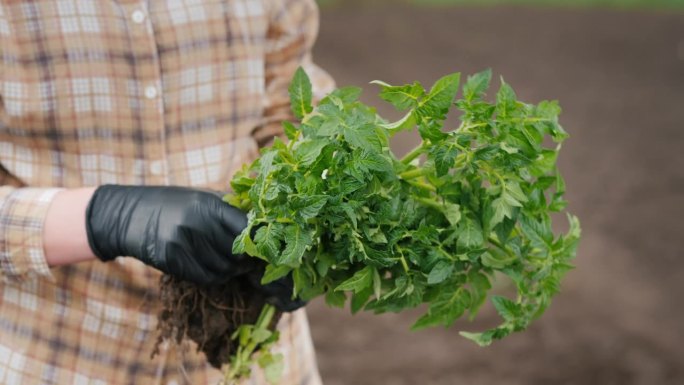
(430, 202)
(413, 154)
(404, 264)
(242, 362)
(466, 127)
(501, 247)
(421, 185)
(265, 317)
(415, 173)
(292, 142)
(444, 253)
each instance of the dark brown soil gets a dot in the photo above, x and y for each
(620, 78)
(207, 315)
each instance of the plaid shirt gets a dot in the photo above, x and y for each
(145, 92)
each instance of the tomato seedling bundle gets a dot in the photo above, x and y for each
(352, 222)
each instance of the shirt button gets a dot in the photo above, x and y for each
(157, 167)
(138, 16)
(151, 92)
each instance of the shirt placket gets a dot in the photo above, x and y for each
(148, 73)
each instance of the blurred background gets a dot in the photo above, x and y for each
(617, 68)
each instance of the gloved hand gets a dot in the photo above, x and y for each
(278, 293)
(186, 233)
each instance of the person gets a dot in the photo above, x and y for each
(119, 121)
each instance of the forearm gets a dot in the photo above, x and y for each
(65, 239)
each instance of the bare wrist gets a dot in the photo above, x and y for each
(64, 234)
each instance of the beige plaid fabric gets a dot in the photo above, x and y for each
(145, 92)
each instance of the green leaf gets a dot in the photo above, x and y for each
(476, 85)
(558, 203)
(308, 206)
(267, 240)
(440, 272)
(442, 93)
(347, 95)
(290, 130)
(242, 180)
(539, 232)
(486, 152)
(363, 136)
(575, 231)
(351, 214)
(375, 234)
(261, 335)
(470, 234)
(559, 134)
(513, 189)
(335, 298)
(266, 162)
(323, 263)
(377, 284)
(401, 97)
(560, 183)
(502, 209)
(369, 160)
(452, 212)
(482, 339)
(331, 127)
(273, 273)
(360, 299)
(496, 260)
(444, 158)
(567, 249)
(445, 309)
(405, 123)
(503, 230)
(480, 285)
(350, 185)
(431, 130)
(307, 152)
(506, 308)
(505, 101)
(244, 244)
(545, 162)
(301, 280)
(510, 200)
(296, 242)
(362, 279)
(300, 94)
(508, 148)
(273, 365)
(550, 110)
(426, 321)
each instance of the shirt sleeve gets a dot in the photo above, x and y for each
(291, 35)
(22, 218)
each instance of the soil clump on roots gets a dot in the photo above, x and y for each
(207, 315)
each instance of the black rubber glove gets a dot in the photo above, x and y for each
(186, 233)
(278, 293)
